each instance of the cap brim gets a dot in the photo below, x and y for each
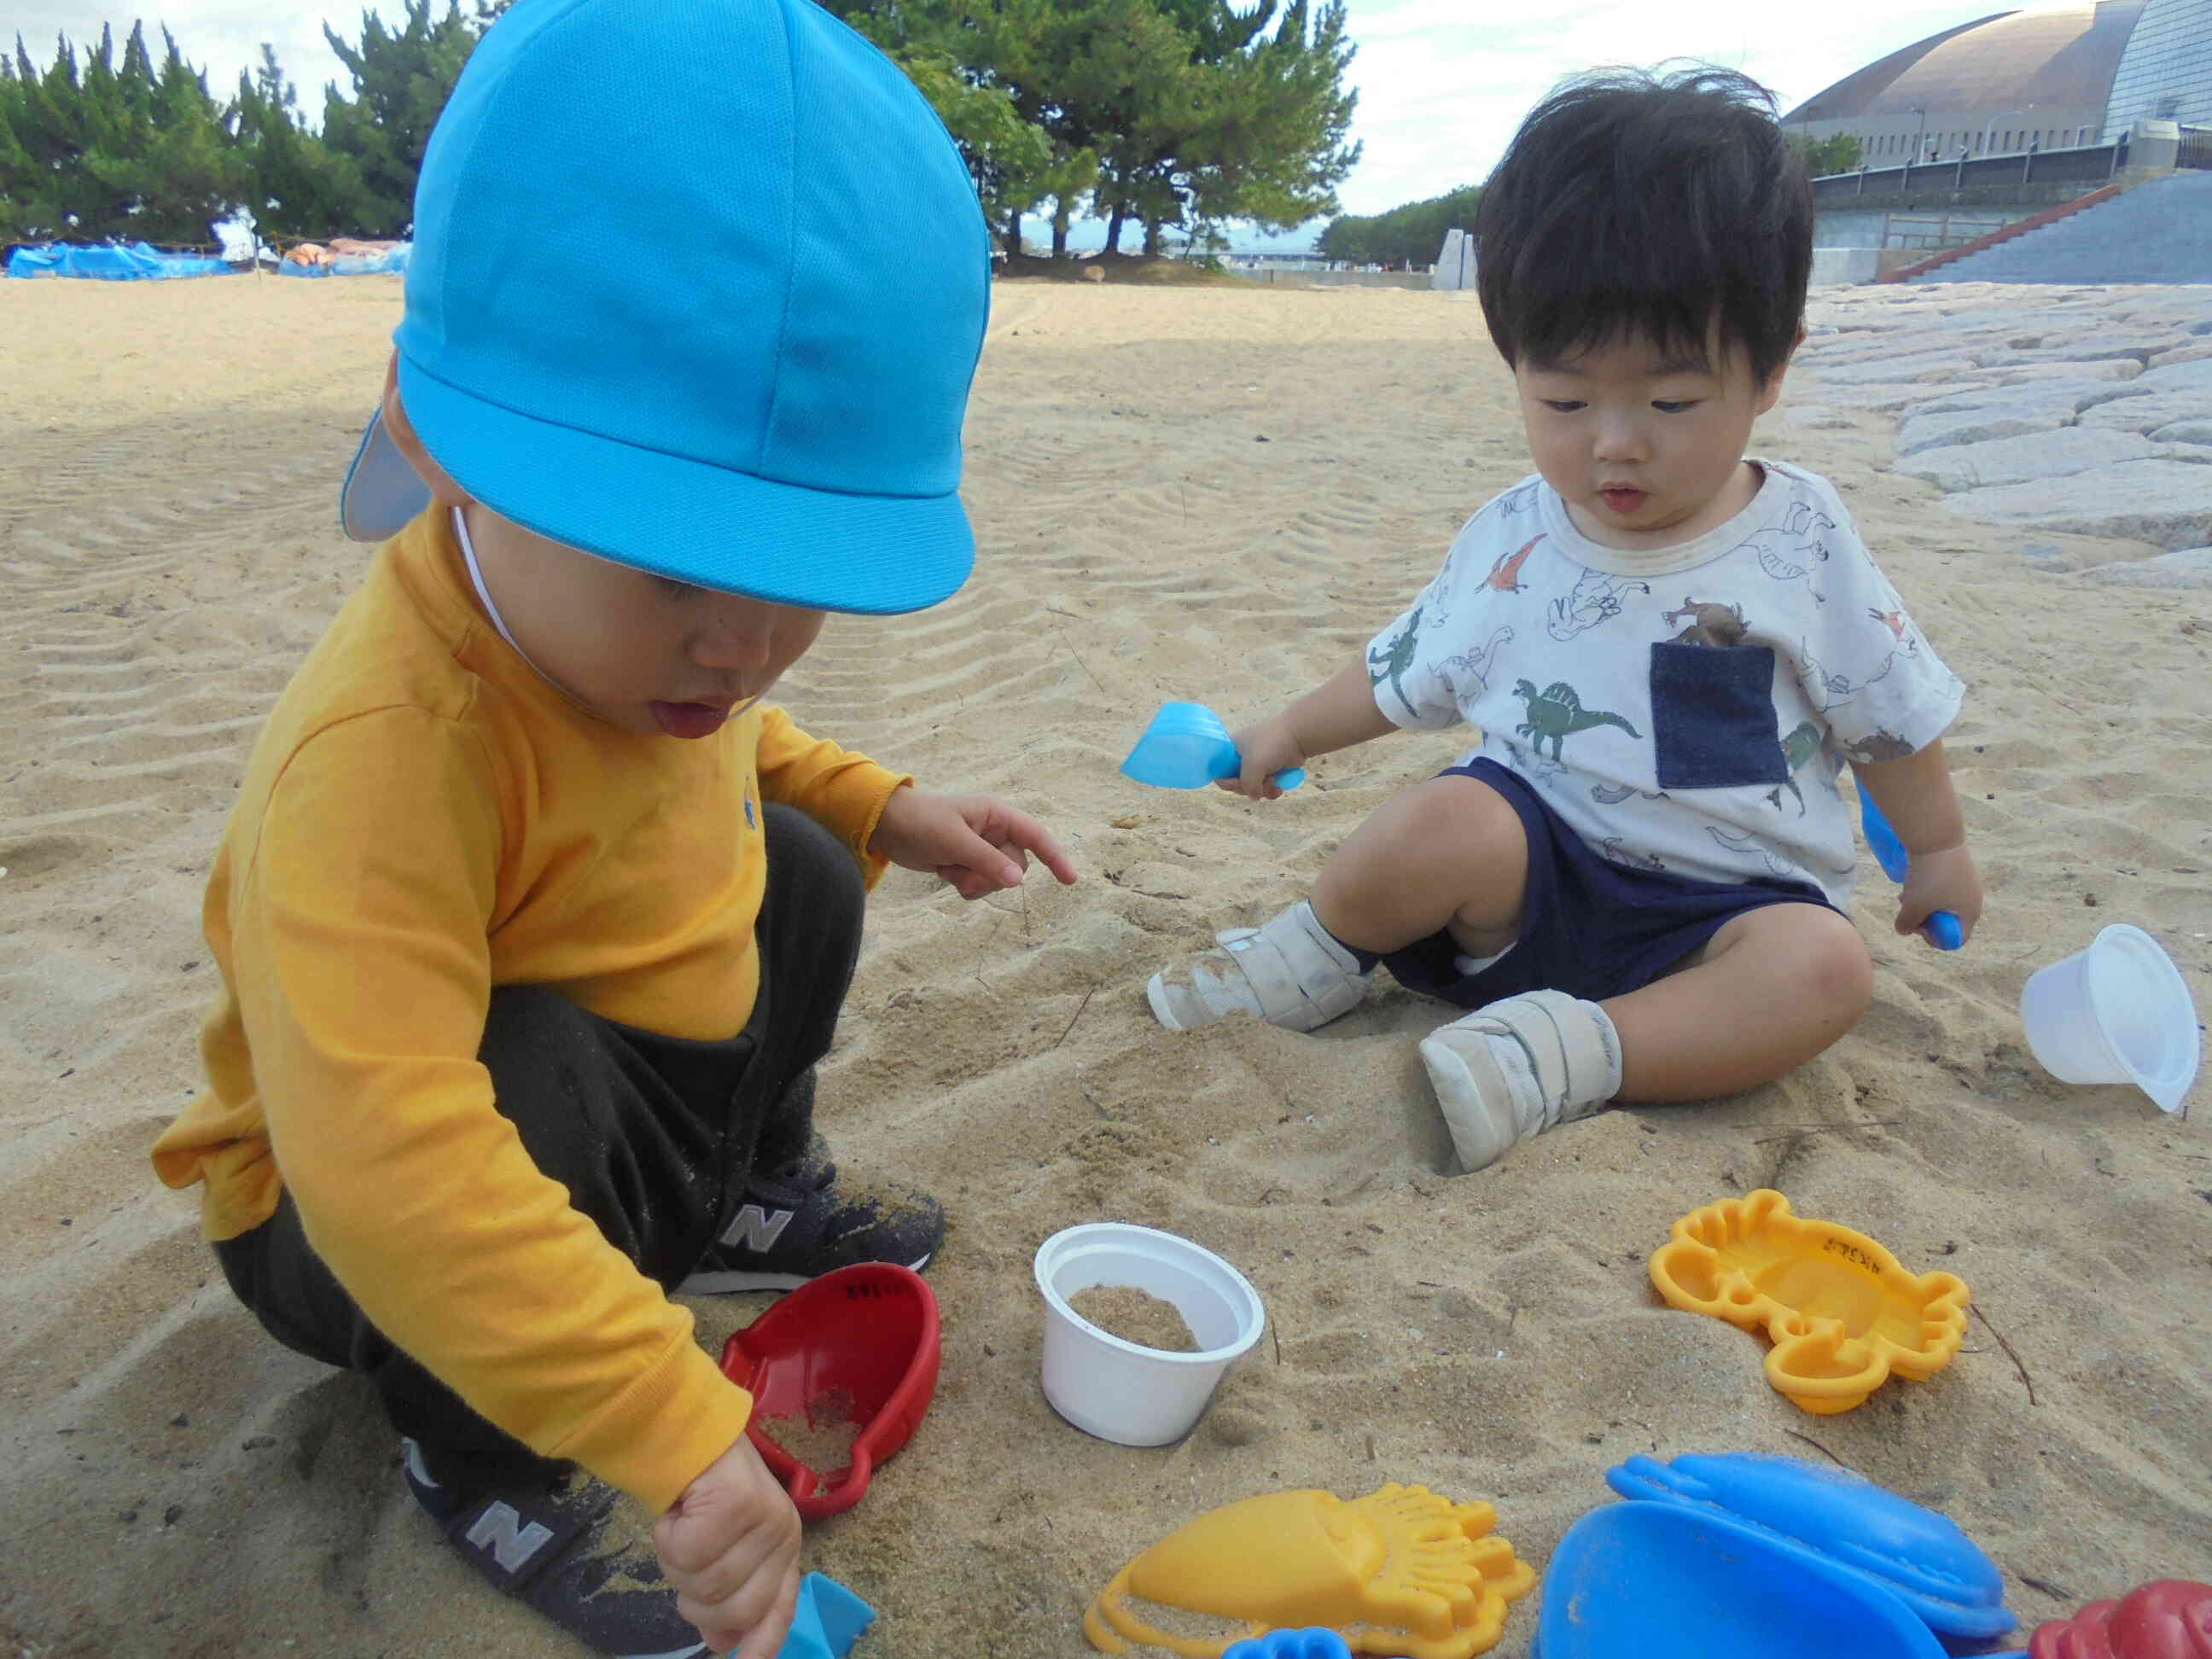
(382, 493)
(688, 520)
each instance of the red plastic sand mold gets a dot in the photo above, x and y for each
(858, 1345)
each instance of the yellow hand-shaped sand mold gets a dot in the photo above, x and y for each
(1842, 1313)
(1399, 1572)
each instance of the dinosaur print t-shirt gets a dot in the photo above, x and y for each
(1684, 708)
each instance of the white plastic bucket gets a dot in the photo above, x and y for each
(1117, 1389)
(2119, 1011)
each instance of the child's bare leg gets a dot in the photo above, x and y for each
(1447, 853)
(1772, 988)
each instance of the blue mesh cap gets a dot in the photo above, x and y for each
(698, 286)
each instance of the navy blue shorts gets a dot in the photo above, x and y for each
(1589, 926)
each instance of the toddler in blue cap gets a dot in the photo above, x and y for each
(534, 916)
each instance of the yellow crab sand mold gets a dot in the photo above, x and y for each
(1841, 1311)
(1400, 1571)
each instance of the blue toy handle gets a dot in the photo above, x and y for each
(1289, 780)
(1941, 926)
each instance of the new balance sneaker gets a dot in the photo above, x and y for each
(548, 1536)
(799, 1226)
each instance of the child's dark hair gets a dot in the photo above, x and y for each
(1632, 201)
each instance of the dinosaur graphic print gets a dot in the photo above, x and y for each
(1785, 551)
(1880, 746)
(1556, 714)
(1687, 714)
(1720, 626)
(1799, 747)
(1505, 575)
(1595, 599)
(1743, 842)
(1613, 849)
(1395, 658)
(1468, 673)
(1836, 689)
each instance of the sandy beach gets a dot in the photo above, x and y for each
(1206, 493)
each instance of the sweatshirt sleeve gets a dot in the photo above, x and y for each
(843, 792)
(362, 970)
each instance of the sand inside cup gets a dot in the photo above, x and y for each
(1137, 1316)
(822, 1441)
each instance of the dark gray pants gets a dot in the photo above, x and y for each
(653, 1136)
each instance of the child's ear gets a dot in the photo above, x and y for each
(401, 432)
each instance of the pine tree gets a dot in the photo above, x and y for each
(300, 188)
(1279, 150)
(401, 80)
(1411, 234)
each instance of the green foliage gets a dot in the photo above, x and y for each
(1411, 235)
(401, 80)
(1840, 154)
(302, 190)
(93, 151)
(1176, 114)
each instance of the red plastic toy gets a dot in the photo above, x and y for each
(2167, 1619)
(860, 1344)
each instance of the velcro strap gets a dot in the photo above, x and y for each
(1565, 1044)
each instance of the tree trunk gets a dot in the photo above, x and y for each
(1010, 235)
(1062, 211)
(1153, 230)
(1114, 228)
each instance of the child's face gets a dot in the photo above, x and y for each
(1646, 445)
(645, 653)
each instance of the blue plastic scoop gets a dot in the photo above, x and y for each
(1188, 747)
(829, 1619)
(1941, 926)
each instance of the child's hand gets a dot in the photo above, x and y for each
(977, 843)
(1265, 747)
(1941, 881)
(730, 1549)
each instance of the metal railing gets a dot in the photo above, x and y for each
(2088, 164)
(1935, 234)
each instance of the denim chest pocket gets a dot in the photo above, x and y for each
(1712, 716)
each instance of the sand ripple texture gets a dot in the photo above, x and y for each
(1206, 494)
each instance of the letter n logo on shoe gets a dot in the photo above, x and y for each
(755, 1229)
(503, 1532)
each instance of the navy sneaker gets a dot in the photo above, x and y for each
(540, 1533)
(798, 1225)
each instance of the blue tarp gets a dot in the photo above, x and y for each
(137, 263)
(352, 265)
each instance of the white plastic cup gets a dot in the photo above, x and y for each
(1117, 1389)
(2119, 1011)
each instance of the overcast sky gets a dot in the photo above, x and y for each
(1439, 95)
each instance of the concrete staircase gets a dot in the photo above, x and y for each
(2160, 232)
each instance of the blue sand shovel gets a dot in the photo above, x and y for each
(830, 1618)
(1188, 747)
(1941, 926)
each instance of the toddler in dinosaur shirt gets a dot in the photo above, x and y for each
(1636, 880)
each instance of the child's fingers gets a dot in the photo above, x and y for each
(1037, 839)
(765, 1640)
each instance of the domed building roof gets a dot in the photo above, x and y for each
(2008, 59)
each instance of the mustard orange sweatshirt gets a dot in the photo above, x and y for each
(423, 819)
